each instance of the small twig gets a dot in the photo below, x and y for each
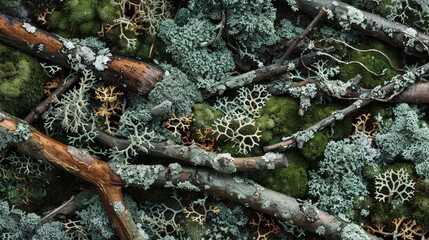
(69, 205)
(221, 26)
(302, 36)
(44, 105)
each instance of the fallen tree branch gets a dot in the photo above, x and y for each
(268, 72)
(416, 93)
(395, 34)
(250, 194)
(77, 162)
(127, 73)
(196, 156)
(388, 91)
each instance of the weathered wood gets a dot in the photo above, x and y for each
(81, 164)
(393, 33)
(130, 74)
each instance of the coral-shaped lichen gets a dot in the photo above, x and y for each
(110, 105)
(238, 129)
(72, 111)
(264, 227)
(403, 228)
(394, 185)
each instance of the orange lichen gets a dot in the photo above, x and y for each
(51, 85)
(361, 126)
(179, 125)
(195, 215)
(264, 225)
(403, 228)
(110, 104)
(42, 15)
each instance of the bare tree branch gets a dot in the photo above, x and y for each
(393, 33)
(79, 163)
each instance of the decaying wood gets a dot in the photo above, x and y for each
(130, 74)
(262, 199)
(395, 34)
(80, 163)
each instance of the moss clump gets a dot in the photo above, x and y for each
(373, 61)
(82, 18)
(315, 148)
(21, 82)
(292, 180)
(371, 171)
(279, 118)
(204, 116)
(420, 205)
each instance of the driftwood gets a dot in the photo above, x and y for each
(80, 163)
(395, 34)
(130, 74)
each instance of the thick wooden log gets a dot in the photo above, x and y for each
(128, 73)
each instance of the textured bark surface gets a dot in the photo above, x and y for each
(127, 73)
(81, 164)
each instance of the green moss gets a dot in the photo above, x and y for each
(21, 82)
(194, 230)
(292, 180)
(279, 118)
(371, 171)
(420, 205)
(315, 148)
(373, 61)
(204, 116)
(81, 18)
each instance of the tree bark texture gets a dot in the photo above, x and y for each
(127, 73)
(393, 33)
(81, 164)
(253, 195)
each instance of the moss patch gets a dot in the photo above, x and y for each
(21, 82)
